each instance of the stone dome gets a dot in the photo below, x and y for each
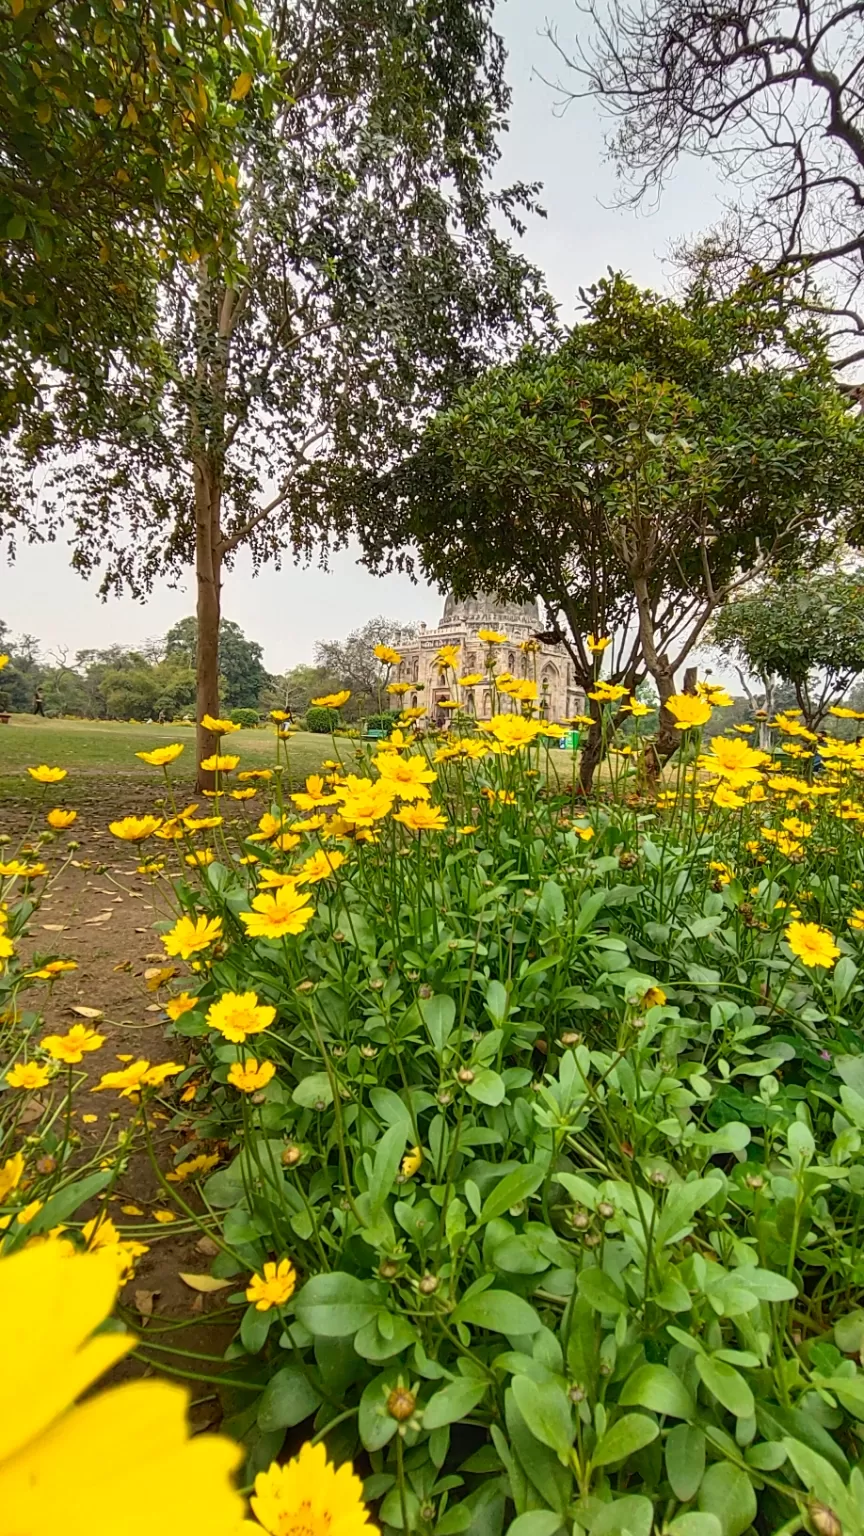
(490, 610)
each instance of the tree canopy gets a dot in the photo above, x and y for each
(806, 630)
(241, 664)
(634, 474)
(118, 146)
(374, 281)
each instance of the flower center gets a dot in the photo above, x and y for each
(302, 1522)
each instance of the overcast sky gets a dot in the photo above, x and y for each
(287, 610)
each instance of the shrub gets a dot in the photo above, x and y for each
(248, 718)
(321, 722)
(383, 722)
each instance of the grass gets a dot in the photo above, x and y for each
(96, 749)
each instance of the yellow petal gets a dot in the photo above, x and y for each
(204, 1282)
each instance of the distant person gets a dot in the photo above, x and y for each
(38, 703)
(817, 762)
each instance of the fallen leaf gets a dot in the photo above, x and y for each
(86, 1013)
(55, 927)
(205, 1282)
(154, 956)
(207, 1246)
(144, 1302)
(131, 1210)
(104, 917)
(153, 1008)
(197, 1305)
(125, 965)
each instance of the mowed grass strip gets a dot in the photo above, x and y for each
(105, 749)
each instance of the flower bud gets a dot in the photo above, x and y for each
(466, 1075)
(291, 1156)
(428, 1285)
(338, 936)
(823, 1520)
(388, 1270)
(377, 983)
(571, 1037)
(606, 1210)
(401, 1404)
(576, 1394)
(580, 1220)
(424, 992)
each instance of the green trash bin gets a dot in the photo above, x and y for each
(570, 742)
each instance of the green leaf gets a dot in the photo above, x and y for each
(512, 1190)
(727, 1385)
(546, 1411)
(335, 1305)
(66, 1201)
(695, 1523)
(625, 1437)
(601, 1292)
(499, 1311)
(372, 1344)
(537, 1522)
(552, 905)
(439, 1016)
(388, 1156)
(453, 1402)
(16, 228)
(657, 1388)
(631, 1516)
(487, 1087)
(288, 1399)
(375, 1425)
(313, 1091)
(254, 1328)
(497, 1002)
(682, 1202)
(727, 1492)
(817, 1475)
(685, 1461)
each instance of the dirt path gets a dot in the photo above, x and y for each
(99, 913)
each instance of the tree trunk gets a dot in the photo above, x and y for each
(208, 577)
(589, 758)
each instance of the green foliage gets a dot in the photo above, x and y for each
(385, 721)
(630, 472)
(241, 667)
(245, 717)
(118, 138)
(353, 662)
(320, 721)
(565, 1145)
(806, 629)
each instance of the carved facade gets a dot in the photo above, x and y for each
(550, 665)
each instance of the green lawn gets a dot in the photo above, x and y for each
(106, 748)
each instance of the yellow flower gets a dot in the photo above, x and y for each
(734, 760)
(219, 727)
(855, 921)
(387, 654)
(407, 777)
(135, 1077)
(655, 997)
(251, 1075)
(489, 637)
(66, 1467)
(220, 763)
(598, 645)
(714, 694)
(189, 937)
(244, 794)
(688, 711)
(4, 661)
(134, 829)
(333, 700)
(842, 713)
(314, 794)
(411, 1163)
(200, 858)
(54, 968)
(191, 1167)
(422, 818)
(60, 819)
(72, 1047)
(27, 1212)
(446, 656)
(524, 692)
(606, 693)
(101, 1233)
(272, 917)
(319, 866)
(164, 1217)
(366, 803)
(238, 1014)
(264, 774)
(29, 1075)
(811, 944)
(399, 690)
(797, 828)
(7, 948)
(726, 798)
(416, 713)
(513, 731)
(471, 681)
(11, 1175)
(177, 1006)
(161, 756)
(273, 1289)
(45, 775)
(310, 1497)
(466, 831)
(279, 715)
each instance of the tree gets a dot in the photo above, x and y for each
(806, 630)
(299, 686)
(632, 476)
(117, 158)
(240, 661)
(352, 662)
(772, 94)
(373, 282)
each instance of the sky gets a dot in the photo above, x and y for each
(288, 609)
